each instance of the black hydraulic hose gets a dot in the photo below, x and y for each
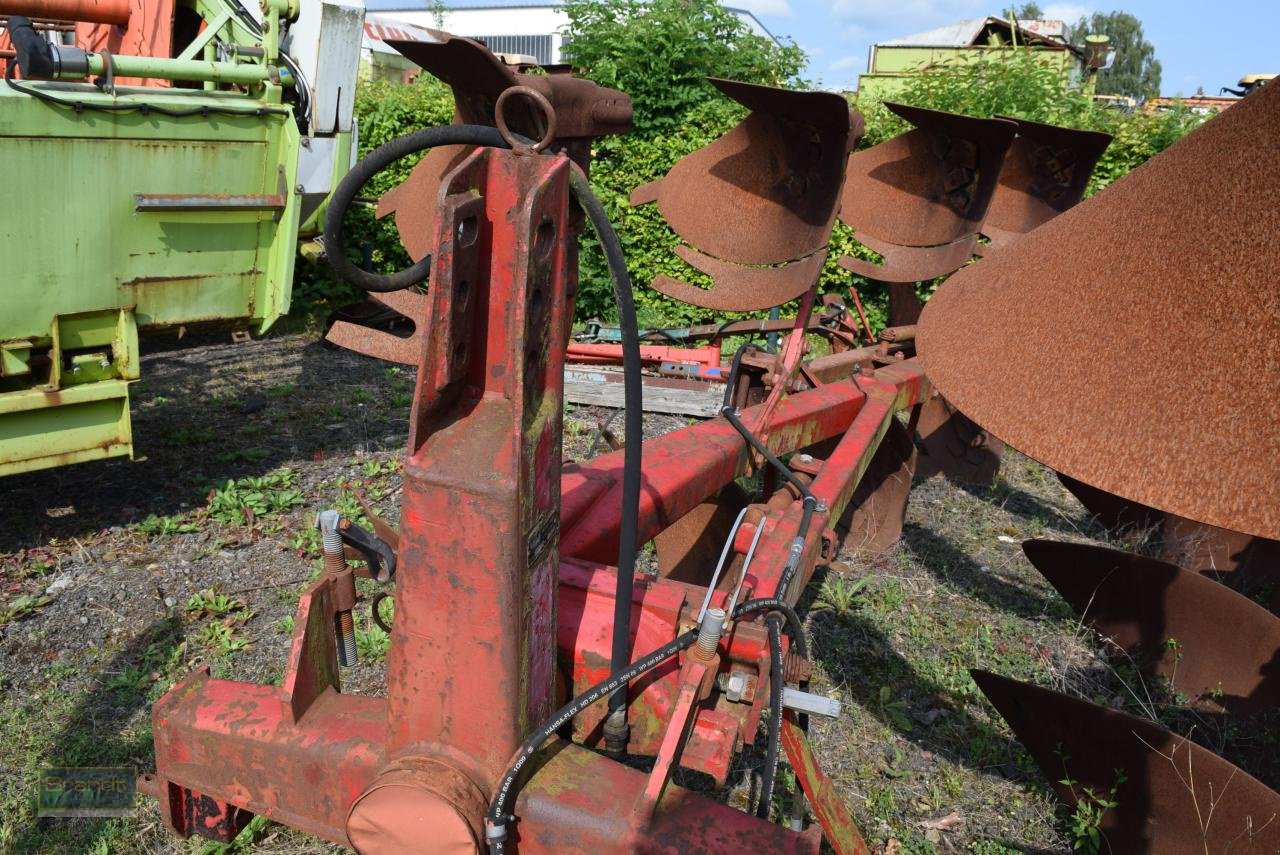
(809, 502)
(774, 604)
(497, 818)
(633, 426)
(776, 607)
(770, 772)
(370, 165)
(143, 107)
(807, 506)
(34, 54)
(343, 196)
(729, 412)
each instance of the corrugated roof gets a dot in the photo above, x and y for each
(452, 5)
(966, 33)
(959, 34)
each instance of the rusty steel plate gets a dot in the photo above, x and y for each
(910, 263)
(736, 288)
(1246, 564)
(1117, 515)
(1167, 784)
(873, 523)
(412, 199)
(1185, 247)
(929, 186)
(688, 549)
(406, 350)
(766, 192)
(955, 446)
(1212, 644)
(477, 78)
(1046, 171)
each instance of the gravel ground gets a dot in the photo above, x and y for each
(118, 578)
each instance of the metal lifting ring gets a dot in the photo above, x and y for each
(519, 144)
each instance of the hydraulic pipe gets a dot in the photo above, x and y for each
(89, 11)
(164, 68)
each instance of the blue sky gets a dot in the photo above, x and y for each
(1198, 44)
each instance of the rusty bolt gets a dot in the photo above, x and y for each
(796, 669)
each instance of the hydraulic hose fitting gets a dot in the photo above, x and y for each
(704, 654)
(710, 630)
(342, 585)
(617, 733)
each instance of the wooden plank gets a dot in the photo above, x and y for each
(595, 387)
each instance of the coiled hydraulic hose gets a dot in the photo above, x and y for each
(370, 165)
(401, 147)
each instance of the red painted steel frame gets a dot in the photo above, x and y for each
(705, 359)
(688, 466)
(491, 528)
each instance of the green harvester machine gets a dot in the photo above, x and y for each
(152, 191)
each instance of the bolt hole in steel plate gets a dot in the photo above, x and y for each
(544, 241)
(1083, 343)
(468, 231)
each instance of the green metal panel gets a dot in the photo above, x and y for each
(75, 241)
(894, 66)
(39, 429)
(122, 219)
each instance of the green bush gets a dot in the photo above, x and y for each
(660, 52)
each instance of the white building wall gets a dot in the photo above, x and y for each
(515, 21)
(511, 21)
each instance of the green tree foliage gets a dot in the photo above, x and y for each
(1025, 12)
(660, 52)
(1136, 71)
